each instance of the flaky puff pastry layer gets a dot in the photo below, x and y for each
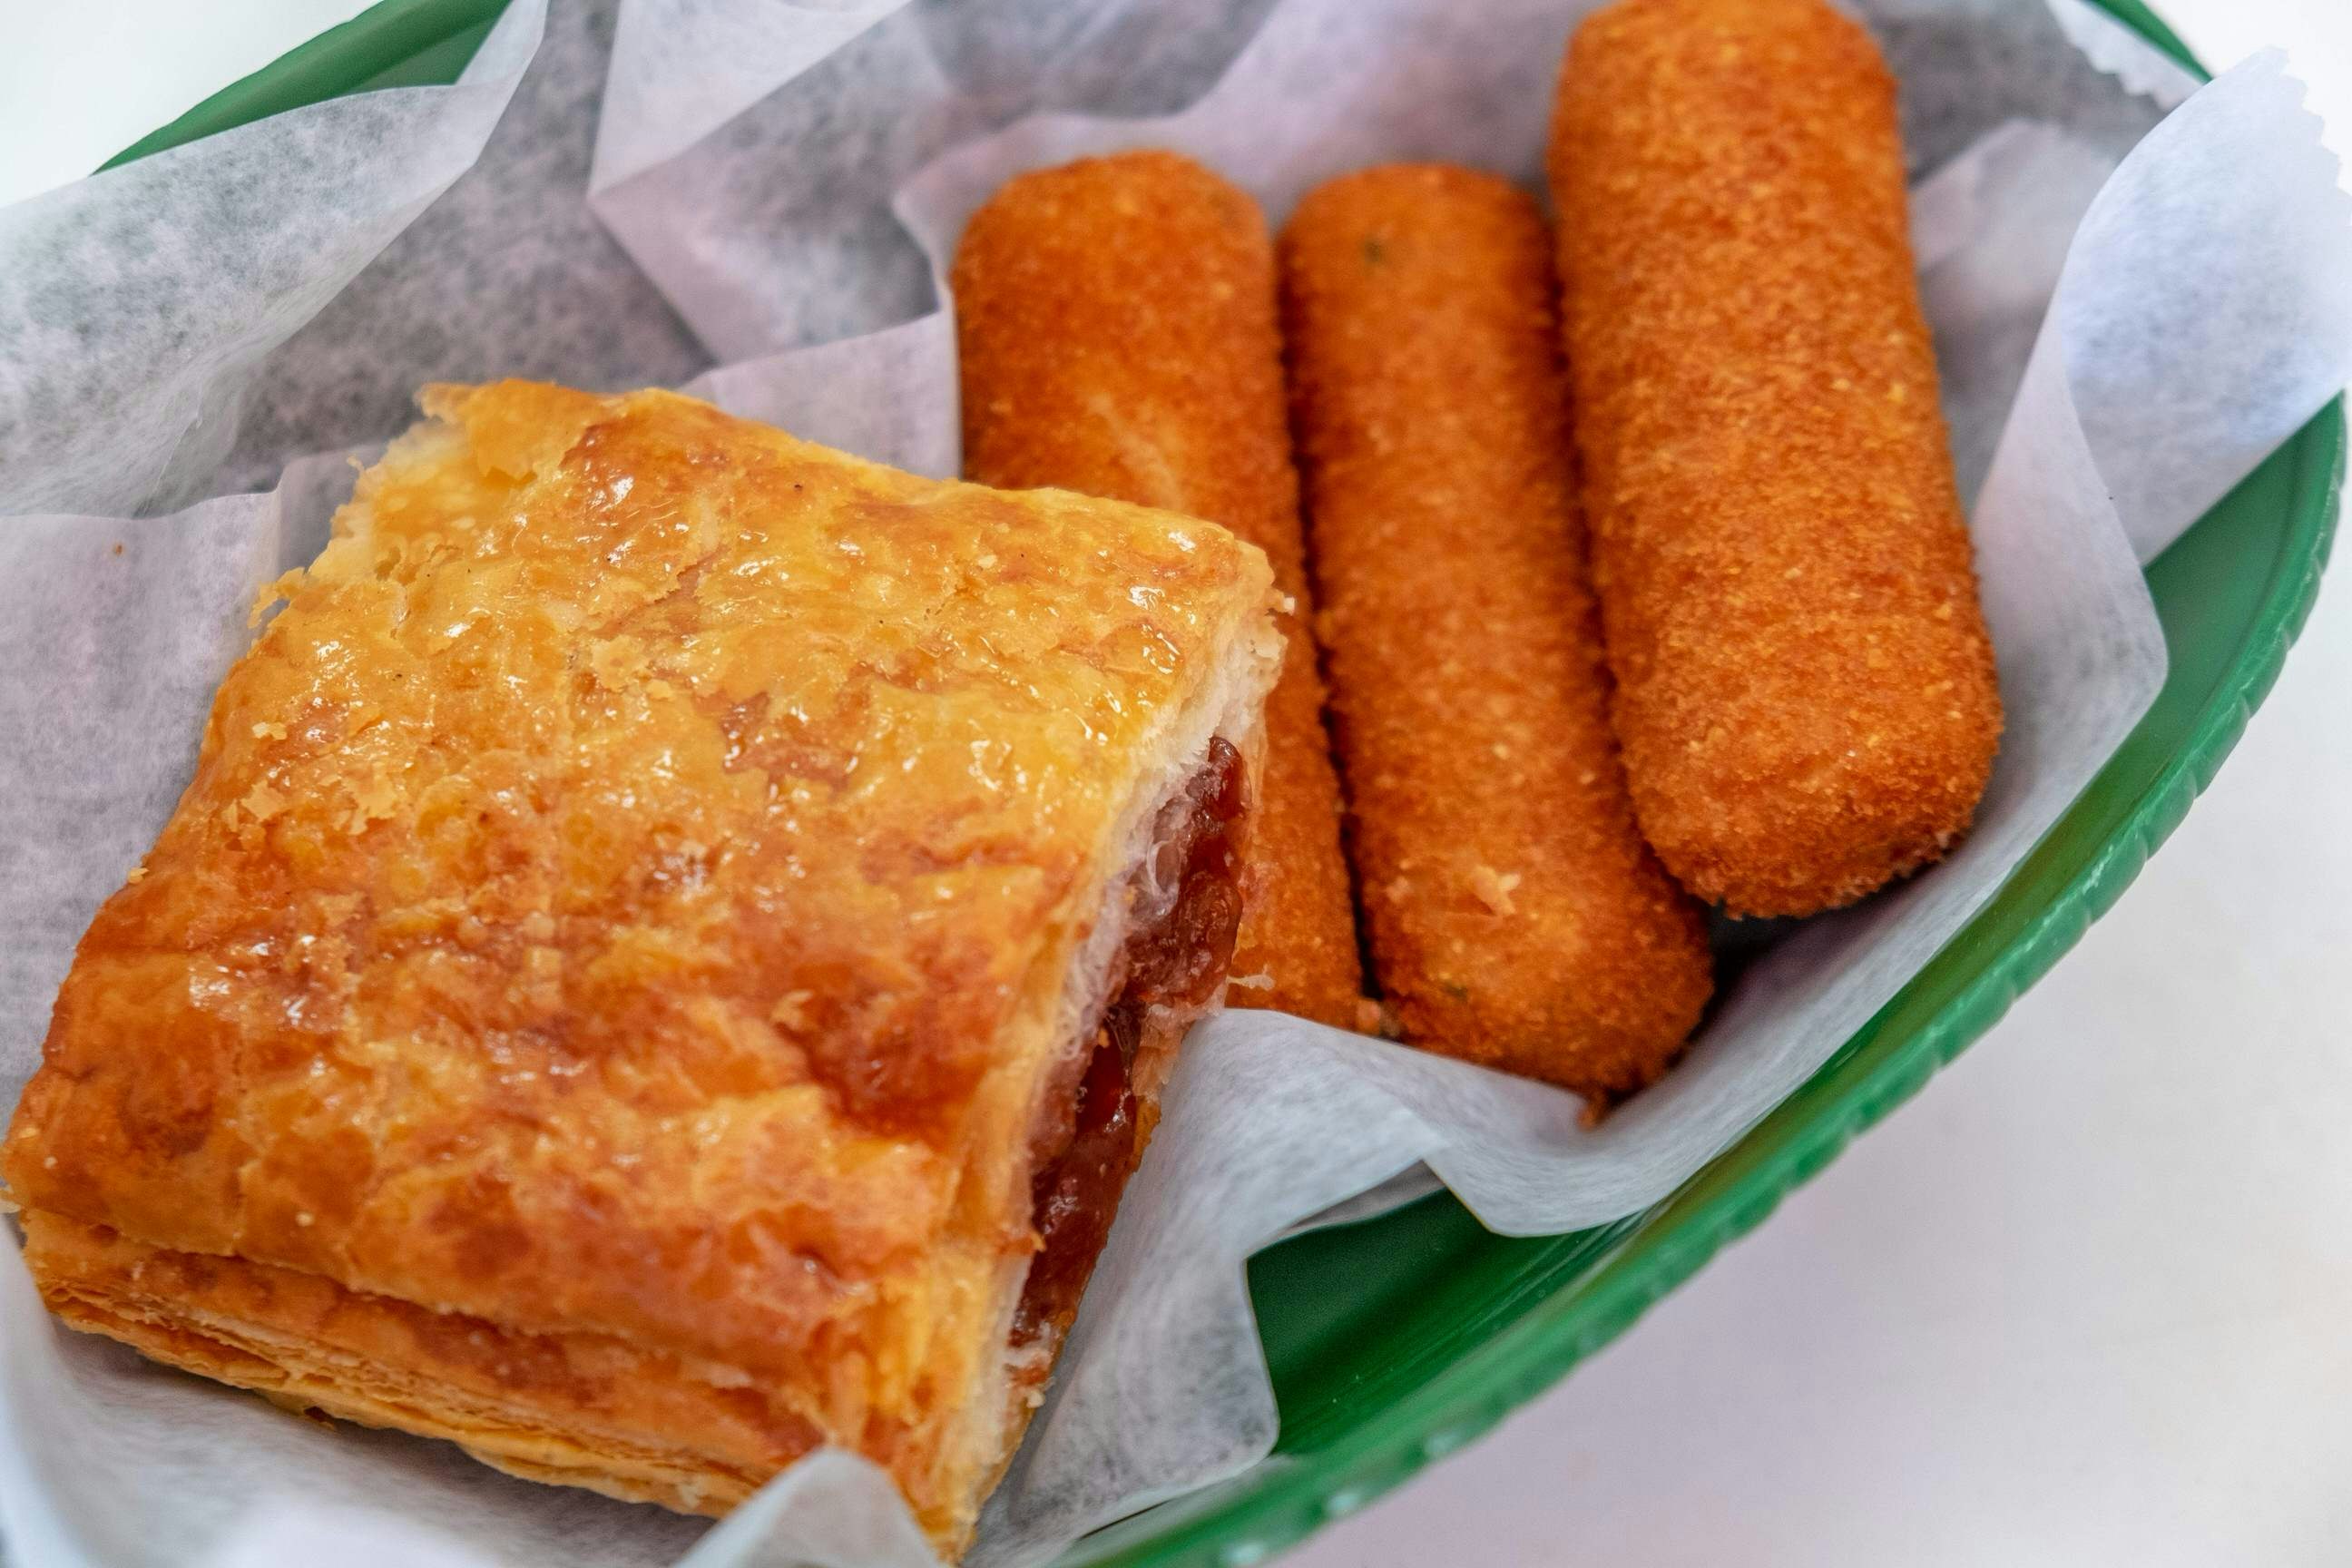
(629, 904)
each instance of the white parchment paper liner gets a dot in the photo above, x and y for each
(747, 157)
(136, 305)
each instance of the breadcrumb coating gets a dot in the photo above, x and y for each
(1516, 917)
(1805, 692)
(1116, 329)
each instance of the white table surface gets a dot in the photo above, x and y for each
(2088, 1299)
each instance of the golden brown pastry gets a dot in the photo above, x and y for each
(665, 917)
(1117, 331)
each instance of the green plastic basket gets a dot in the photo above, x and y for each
(1395, 1341)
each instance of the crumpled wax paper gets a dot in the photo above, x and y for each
(136, 305)
(779, 186)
